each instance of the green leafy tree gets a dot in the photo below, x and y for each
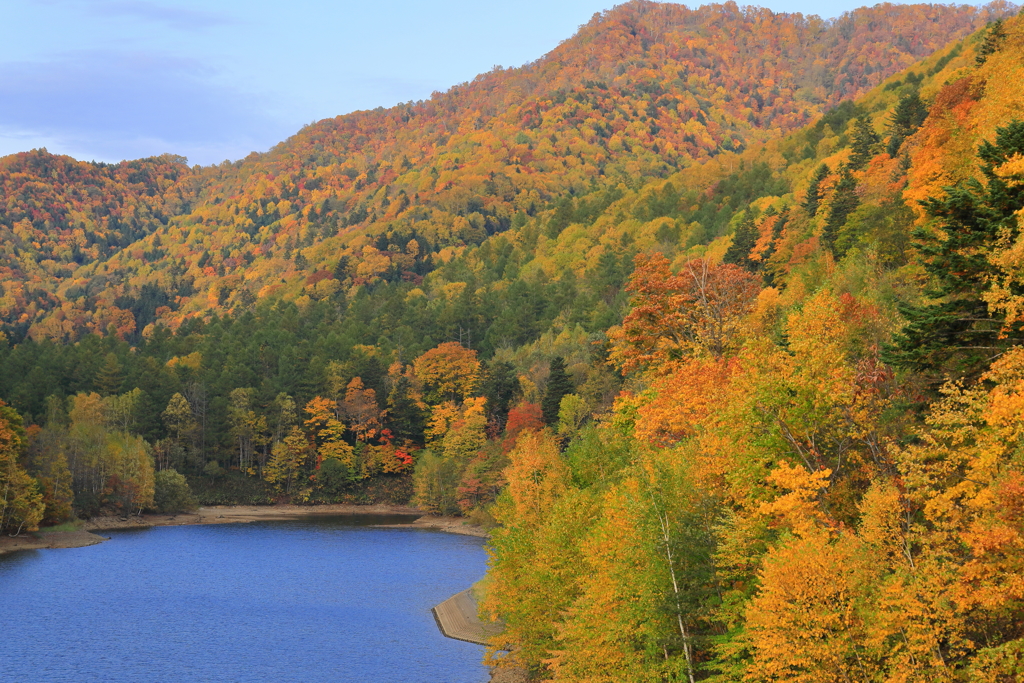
(178, 418)
(247, 427)
(21, 503)
(435, 480)
(172, 493)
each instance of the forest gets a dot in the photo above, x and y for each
(713, 317)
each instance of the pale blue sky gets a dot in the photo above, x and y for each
(216, 79)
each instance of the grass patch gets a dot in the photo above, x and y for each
(73, 525)
(480, 588)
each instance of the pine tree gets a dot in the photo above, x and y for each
(500, 387)
(743, 240)
(958, 336)
(559, 384)
(908, 116)
(865, 139)
(993, 40)
(814, 192)
(766, 267)
(844, 202)
(109, 377)
(405, 416)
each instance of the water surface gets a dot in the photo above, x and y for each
(317, 599)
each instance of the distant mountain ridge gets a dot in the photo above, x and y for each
(641, 91)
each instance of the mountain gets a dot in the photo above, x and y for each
(642, 91)
(749, 414)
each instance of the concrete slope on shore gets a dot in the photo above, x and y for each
(457, 618)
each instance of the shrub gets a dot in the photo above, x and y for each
(173, 493)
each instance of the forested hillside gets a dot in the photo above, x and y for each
(738, 406)
(642, 91)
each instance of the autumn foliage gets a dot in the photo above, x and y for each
(711, 315)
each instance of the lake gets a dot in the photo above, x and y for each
(314, 599)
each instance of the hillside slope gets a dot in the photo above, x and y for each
(641, 91)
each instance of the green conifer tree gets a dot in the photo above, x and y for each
(559, 384)
(109, 377)
(958, 336)
(865, 140)
(405, 418)
(814, 192)
(743, 240)
(500, 386)
(844, 202)
(906, 118)
(766, 267)
(993, 39)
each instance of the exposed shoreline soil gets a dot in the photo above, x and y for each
(78, 538)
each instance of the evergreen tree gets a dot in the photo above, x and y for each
(559, 384)
(814, 192)
(908, 116)
(109, 378)
(844, 202)
(766, 269)
(743, 240)
(405, 417)
(958, 336)
(865, 140)
(993, 40)
(500, 387)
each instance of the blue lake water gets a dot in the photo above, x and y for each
(307, 600)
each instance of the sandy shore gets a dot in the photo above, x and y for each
(229, 514)
(509, 676)
(451, 525)
(241, 514)
(57, 539)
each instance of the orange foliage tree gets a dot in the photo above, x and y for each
(698, 310)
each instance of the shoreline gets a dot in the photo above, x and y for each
(85, 535)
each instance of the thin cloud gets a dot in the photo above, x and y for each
(175, 17)
(115, 105)
(180, 18)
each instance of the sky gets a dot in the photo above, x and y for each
(212, 80)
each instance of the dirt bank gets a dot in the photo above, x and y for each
(451, 525)
(509, 676)
(240, 514)
(230, 514)
(78, 538)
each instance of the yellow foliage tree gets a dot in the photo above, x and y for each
(21, 503)
(448, 372)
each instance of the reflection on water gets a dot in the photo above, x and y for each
(316, 599)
